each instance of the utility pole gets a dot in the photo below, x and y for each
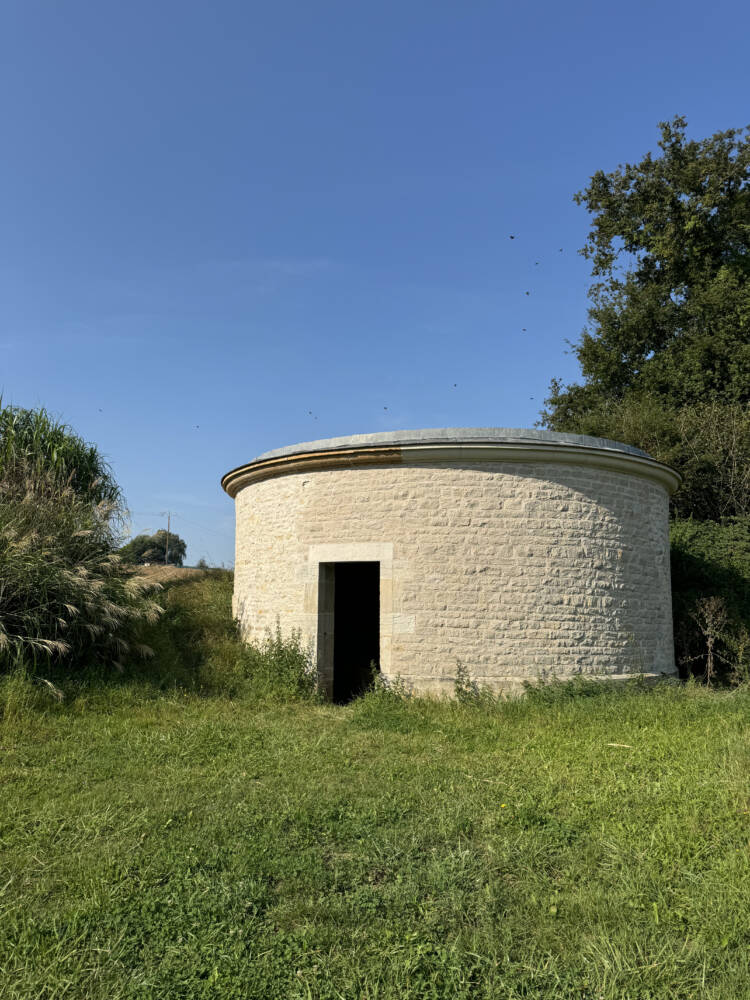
(166, 547)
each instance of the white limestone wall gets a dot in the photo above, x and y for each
(515, 570)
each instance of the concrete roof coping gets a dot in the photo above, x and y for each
(452, 435)
(451, 444)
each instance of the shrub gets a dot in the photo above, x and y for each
(711, 579)
(707, 443)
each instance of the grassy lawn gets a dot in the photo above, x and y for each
(172, 845)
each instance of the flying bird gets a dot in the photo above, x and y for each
(528, 293)
(511, 237)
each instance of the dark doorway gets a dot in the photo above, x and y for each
(356, 627)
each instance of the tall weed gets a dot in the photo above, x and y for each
(281, 667)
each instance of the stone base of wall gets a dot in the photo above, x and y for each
(442, 687)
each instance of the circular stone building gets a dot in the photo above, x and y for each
(517, 553)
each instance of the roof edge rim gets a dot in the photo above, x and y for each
(453, 435)
(639, 462)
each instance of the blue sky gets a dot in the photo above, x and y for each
(232, 226)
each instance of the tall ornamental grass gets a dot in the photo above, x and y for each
(65, 597)
(34, 447)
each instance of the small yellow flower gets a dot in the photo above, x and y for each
(503, 805)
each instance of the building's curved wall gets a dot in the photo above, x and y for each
(515, 570)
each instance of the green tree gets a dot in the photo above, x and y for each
(153, 549)
(670, 306)
(665, 361)
(665, 357)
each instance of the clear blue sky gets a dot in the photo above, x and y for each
(232, 226)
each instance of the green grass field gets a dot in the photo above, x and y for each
(585, 842)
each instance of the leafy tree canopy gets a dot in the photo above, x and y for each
(153, 548)
(670, 306)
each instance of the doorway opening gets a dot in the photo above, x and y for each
(349, 615)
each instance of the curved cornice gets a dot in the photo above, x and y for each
(630, 462)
